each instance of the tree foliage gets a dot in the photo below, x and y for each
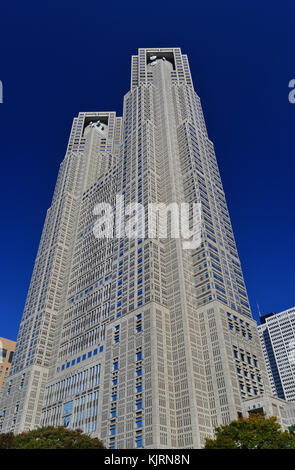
(255, 432)
(50, 438)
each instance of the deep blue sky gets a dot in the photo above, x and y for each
(62, 57)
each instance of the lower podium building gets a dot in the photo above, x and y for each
(139, 337)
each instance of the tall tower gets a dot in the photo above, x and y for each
(141, 342)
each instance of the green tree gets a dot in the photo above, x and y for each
(50, 438)
(255, 432)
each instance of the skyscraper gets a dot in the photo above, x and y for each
(277, 333)
(135, 339)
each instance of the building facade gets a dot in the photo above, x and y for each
(269, 405)
(135, 339)
(6, 354)
(277, 334)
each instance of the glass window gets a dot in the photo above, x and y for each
(3, 354)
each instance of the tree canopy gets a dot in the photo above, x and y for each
(255, 432)
(50, 438)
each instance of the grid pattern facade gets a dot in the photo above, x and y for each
(147, 344)
(277, 335)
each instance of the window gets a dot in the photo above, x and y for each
(139, 422)
(139, 441)
(139, 356)
(3, 354)
(139, 404)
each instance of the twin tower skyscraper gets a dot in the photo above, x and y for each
(135, 339)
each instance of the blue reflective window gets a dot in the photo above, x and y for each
(68, 408)
(139, 442)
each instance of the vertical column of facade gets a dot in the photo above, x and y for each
(76, 375)
(218, 274)
(235, 367)
(24, 389)
(192, 413)
(139, 412)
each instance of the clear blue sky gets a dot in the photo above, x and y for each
(61, 57)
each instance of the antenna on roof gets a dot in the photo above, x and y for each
(258, 308)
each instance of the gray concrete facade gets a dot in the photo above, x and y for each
(136, 340)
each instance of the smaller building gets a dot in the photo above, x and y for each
(271, 406)
(6, 354)
(277, 335)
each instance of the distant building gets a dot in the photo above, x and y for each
(277, 334)
(6, 353)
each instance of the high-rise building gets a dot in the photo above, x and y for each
(277, 334)
(137, 340)
(6, 354)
